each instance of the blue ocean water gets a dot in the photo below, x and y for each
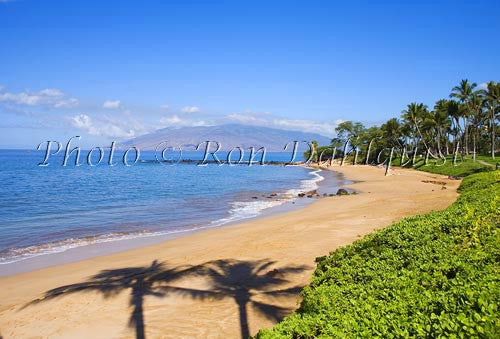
(54, 208)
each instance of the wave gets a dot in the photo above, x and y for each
(250, 209)
(18, 254)
(239, 210)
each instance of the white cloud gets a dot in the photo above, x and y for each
(267, 120)
(111, 127)
(176, 121)
(51, 92)
(323, 128)
(49, 97)
(246, 118)
(71, 102)
(82, 121)
(111, 104)
(190, 109)
(484, 85)
(168, 121)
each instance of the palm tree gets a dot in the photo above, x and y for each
(314, 151)
(440, 121)
(463, 93)
(393, 137)
(477, 118)
(371, 136)
(415, 114)
(391, 132)
(455, 111)
(492, 101)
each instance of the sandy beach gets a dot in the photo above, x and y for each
(219, 283)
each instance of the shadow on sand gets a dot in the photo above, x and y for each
(239, 280)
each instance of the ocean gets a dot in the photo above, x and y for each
(52, 209)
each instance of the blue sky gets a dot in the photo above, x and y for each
(109, 70)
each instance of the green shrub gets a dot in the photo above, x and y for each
(433, 275)
(462, 168)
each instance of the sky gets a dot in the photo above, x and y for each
(112, 70)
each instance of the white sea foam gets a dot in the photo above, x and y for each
(239, 210)
(19, 254)
(250, 209)
(307, 185)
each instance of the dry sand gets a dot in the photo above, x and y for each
(241, 277)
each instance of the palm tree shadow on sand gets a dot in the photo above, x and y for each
(140, 280)
(239, 280)
(244, 280)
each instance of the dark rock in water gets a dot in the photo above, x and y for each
(255, 197)
(331, 195)
(342, 191)
(309, 194)
(273, 194)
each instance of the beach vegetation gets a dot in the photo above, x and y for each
(463, 125)
(433, 275)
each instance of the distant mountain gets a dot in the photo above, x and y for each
(228, 136)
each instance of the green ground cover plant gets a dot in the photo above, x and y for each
(434, 275)
(462, 168)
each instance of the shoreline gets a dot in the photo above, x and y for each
(117, 245)
(276, 242)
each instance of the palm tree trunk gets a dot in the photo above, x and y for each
(454, 143)
(466, 141)
(447, 144)
(455, 154)
(422, 137)
(459, 135)
(439, 144)
(493, 135)
(414, 158)
(474, 146)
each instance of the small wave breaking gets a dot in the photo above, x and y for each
(239, 210)
(250, 209)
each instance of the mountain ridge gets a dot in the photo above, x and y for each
(228, 136)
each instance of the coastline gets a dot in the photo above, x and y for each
(292, 238)
(285, 202)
